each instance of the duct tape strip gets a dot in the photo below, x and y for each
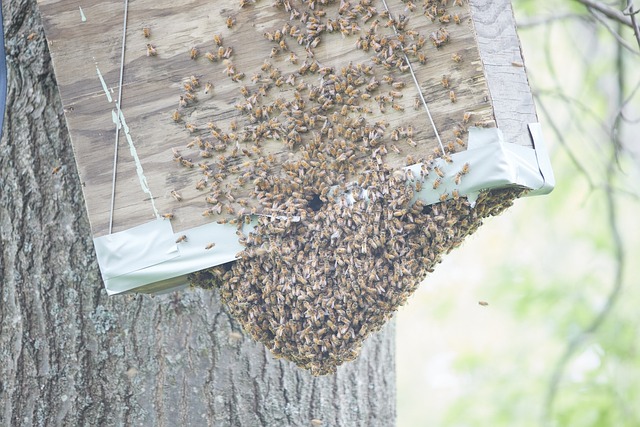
(147, 258)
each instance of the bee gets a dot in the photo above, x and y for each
(445, 81)
(444, 197)
(176, 116)
(466, 117)
(191, 127)
(181, 239)
(455, 194)
(456, 57)
(193, 53)
(56, 170)
(445, 19)
(452, 96)
(211, 56)
(517, 64)
(411, 142)
(397, 107)
(437, 170)
(437, 183)
(188, 87)
(456, 18)
(210, 246)
(230, 22)
(416, 103)
(168, 216)
(176, 195)
(151, 50)
(465, 169)
(195, 82)
(483, 303)
(218, 39)
(146, 32)
(208, 87)
(422, 58)
(398, 85)
(459, 141)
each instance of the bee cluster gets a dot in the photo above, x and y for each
(311, 147)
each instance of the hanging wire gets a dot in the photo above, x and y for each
(415, 80)
(118, 104)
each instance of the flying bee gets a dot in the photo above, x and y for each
(181, 239)
(176, 195)
(193, 53)
(230, 22)
(151, 50)
(483, 303)
(452, 96)
(218, 39)
(210, 246)
(146, 32)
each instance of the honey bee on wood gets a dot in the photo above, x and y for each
(56, 170)
(176, 116)
(146, 32)
(397, 107)
(466, 117)
(181, 239)
(210, 246)
(456, 18)
(231, 22)
(416, 103)
(176, 195)
(218, 39)
(191, 127)
(452, 96)
(151, 50)
(208, 87)
(194, 52)
(168, 216)
(445, 81)
(211, 56)
(456, 57)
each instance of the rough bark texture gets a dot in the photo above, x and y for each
(73, 356)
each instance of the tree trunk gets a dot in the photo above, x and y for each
(73, 356)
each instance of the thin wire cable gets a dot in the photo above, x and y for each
(415, 80)
(115, 154)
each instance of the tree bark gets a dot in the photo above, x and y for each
(73, 356)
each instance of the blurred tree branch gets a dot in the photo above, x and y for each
(625, 17)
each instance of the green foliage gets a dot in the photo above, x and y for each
(548, 266)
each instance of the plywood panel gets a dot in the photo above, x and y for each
(153, 85)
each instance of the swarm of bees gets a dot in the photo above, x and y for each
(326, 266)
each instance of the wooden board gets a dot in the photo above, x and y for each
(153, 85)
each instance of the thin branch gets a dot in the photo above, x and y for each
(559, 135)
(613, 32)
(543, 20)
(632, 14)
(614, 293)
(607, 11)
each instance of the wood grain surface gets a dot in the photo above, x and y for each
(152, 86)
